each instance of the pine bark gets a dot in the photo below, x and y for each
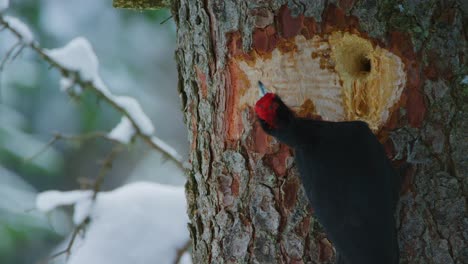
(245, 200)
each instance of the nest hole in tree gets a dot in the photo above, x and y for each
(353, 57)
(365, 65)
(339, 76)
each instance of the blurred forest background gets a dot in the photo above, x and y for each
(136, 56)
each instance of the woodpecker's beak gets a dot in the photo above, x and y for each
(262, 90)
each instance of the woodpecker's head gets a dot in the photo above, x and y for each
(273, 114)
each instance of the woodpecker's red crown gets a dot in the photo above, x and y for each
(266, 109)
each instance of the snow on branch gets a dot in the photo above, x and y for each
(78, 56)
(49, 200)
(123, 132)
(79, 65)
(82, 201)
(135, 113)
(22, 31)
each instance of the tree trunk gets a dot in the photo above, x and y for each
(401, 67)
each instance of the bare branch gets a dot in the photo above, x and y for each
(43, 149)
(18, 52)
(165, 20)
(85, 183)
(58, 136)
(9, 53)
(86, 84)
(105, 167)
(68, 249)
(51, 257)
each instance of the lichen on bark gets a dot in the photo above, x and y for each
(142, 4)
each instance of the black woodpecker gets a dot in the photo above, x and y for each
(347, 177)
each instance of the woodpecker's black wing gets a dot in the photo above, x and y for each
(352, 187)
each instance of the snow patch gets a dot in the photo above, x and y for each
(123, 132)
(140, 222)
(4, 5)
(21, 28)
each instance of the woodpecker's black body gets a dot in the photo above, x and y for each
(349, 181)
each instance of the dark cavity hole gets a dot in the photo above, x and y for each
(365, 65)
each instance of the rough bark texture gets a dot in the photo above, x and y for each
(245, 200)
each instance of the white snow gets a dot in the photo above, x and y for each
(82, 210)
(50, 200)
(82, 201)
(134, 110)
(77, 55)
(4, 5)
(123, 132)
(140, 222)
(21, 28)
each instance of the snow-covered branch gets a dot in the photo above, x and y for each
(78, 65)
